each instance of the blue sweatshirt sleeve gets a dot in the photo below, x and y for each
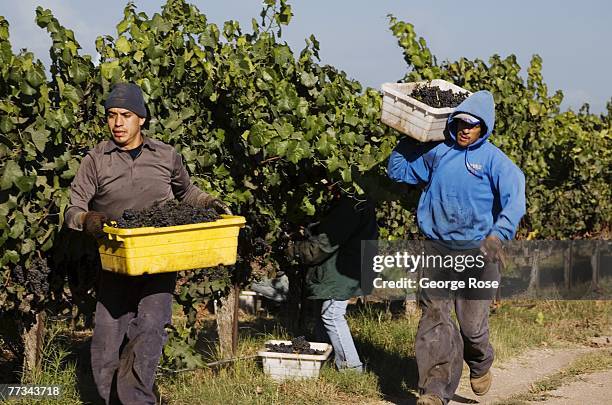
(509, 182)
(407, 165)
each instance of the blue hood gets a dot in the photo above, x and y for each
(482, 106)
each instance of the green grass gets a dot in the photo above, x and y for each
(523, 325)
(384, 337)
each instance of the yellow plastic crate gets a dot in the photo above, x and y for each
(150, 250)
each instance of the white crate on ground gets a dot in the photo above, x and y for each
(290, 366)
(250, 301)
(412, 117)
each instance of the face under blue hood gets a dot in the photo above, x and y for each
(481, 105)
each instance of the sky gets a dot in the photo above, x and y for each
(572, 37)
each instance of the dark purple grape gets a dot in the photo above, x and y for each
(170, 213)
(435, 97)
(298, 345)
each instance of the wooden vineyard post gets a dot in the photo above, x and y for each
(534, 280)
(595, 264)
(567, 266)
(33, 337)
(411, 306)
(227, 323)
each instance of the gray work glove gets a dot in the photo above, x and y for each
(220, 207)
(493, 249)
(208, 201)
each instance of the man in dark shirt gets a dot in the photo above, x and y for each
(333, 254)
(129, 171)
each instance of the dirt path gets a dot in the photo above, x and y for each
(518, 374)
(592, 389)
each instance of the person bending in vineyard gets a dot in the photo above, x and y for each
(129, 171)
(332, 253)
(473, 198)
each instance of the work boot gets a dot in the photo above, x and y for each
(429, 399)
(480, 385)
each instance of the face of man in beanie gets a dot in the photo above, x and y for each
(125, 127)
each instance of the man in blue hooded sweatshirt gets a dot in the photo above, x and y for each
(474, 196)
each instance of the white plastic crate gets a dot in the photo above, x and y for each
(290, 366)
(412, 117)
(250, 301)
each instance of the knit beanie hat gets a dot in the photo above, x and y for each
(128, 96)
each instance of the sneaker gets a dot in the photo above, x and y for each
(480, 385)
(429, 399)
(359, 369)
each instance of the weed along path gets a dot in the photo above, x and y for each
(594, 389)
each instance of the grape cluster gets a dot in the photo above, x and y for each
(18, 275)
(35, 278)
(170, 213)
(435, 97)
(299, 345)
(209, 273)
(260, 247)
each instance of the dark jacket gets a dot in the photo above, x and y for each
(333, 251)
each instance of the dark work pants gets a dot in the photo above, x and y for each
(441, 346)
(129, 334)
